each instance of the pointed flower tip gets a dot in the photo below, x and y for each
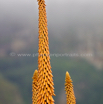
(35, 74)
(68, 77)
(67, 74)
(36, 71)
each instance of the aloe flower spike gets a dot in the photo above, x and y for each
(70, 97)
(34, 87)
(45, 77)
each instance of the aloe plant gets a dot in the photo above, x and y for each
(34, 87)
(70, 97)
(45, 77)
(42, 87)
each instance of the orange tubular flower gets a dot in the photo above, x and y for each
(69, 90)
(45, 77)
(34, 87)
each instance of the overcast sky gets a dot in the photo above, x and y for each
(59, 12)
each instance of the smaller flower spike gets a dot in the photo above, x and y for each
(69, 90)
(34, 87)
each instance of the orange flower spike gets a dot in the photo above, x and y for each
(45, 77)
(34, 87)
(69, 90)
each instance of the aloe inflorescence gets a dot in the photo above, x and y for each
(45, 77)
(69, 90)
(34, 87)
(43, 86)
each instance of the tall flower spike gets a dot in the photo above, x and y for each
(45, 77)
(34, 87)
(69, 90)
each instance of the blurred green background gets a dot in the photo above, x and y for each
(75, 31)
